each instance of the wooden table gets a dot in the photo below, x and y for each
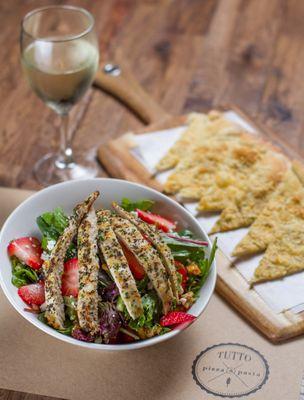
(190, 55)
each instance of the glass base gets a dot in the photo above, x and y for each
(49, 170)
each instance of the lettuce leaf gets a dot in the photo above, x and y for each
(152, 312)
(70, 308)
(52, 225)
(67, 330)
(130, 205)
(22, 274)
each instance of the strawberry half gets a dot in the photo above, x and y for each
(162, 223)
(176, 318)
(28, 250)
(70, 278)
(32, 294)
(135, 267)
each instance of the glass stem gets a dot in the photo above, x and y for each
(65, 158)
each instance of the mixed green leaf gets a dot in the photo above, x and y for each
(185, 251)
(22, 274)
(129, 205)
(195, 283)
(52, 225)
(70, 308)
(113, 314)
(152, 312)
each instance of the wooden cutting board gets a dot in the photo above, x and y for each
(117, 159)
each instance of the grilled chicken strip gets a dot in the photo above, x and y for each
(147, 257)
(88, 264)
(118, 265)
(53, 268)
(164, 251)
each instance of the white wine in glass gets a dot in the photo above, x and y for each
(60, 58)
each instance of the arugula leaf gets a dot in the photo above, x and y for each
(208, 262)
(130, 205)
(22, 274)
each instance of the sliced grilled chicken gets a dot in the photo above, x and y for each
(164, 251)
(147, 257)
(118, 265)
(88, 264)
(53, 268)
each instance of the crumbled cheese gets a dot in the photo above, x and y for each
(51, 244)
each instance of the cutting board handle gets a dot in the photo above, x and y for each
(119, 82)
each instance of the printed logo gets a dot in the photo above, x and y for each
(230, 370)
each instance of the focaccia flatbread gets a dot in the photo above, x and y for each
(200, 162)
(284, 256)
(217, 173)
(256, 191)
(252, 164)
(285, 207)
(298, 169)
(201, 127)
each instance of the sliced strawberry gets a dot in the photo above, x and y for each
(135, 267)
(181, 269)
(70, 278)
(178, 264)
(162, 223)
(28, 250)
(176, 318)
(32, 294)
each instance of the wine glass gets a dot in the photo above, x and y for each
(59, 53)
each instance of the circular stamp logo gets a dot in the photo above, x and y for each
(230, 370)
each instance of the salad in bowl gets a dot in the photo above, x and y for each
(111, 275)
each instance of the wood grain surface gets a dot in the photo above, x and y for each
(188, 54)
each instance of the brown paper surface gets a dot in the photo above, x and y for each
(31, 361)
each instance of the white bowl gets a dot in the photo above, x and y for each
(22, 222)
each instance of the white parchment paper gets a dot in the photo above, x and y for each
(285, 294)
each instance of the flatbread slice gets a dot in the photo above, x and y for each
(247, 162)
(200, 165)
(284, 256)
(200, 128)
(298, 169)
(217, 173)
(254, 194)
(285, 207)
